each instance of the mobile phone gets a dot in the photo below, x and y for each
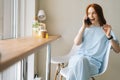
(87, 21)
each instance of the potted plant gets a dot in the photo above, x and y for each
(35, 27)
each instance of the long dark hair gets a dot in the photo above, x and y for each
(99, 12)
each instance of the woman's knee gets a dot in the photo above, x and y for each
(83, 58)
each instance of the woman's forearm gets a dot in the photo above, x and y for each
(78, 38)
(115, 46)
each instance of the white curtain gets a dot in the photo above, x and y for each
(17, 22)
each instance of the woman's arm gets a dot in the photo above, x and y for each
(78, 38)
(114, 44)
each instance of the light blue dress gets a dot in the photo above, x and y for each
(88, 58)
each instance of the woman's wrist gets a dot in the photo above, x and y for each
(110, 37)
(82, 29)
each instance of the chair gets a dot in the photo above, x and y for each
(62, 61)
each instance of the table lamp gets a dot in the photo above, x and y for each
(41, 15)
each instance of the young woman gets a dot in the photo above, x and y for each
(93, 38)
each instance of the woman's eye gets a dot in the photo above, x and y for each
(94, 12)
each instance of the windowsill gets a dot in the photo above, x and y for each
(13, 50)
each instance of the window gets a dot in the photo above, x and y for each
(16, 21)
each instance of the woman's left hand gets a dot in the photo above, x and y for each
(107, 30)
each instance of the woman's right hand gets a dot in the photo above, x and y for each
(85, 24)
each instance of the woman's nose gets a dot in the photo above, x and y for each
(91, 16)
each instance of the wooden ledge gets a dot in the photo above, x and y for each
(14, 50)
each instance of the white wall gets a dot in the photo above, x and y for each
(64, 17)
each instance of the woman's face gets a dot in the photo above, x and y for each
(93, 16)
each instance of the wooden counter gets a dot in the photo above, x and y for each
(13, 50)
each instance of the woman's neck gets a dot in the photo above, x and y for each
(96, 24)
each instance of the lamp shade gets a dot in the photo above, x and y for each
(41, 15)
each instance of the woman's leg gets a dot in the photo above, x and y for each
(79, 68)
